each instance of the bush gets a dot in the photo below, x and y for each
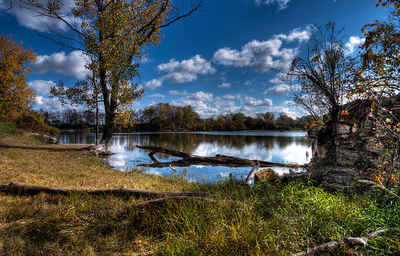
(7, 128)
(34, 121)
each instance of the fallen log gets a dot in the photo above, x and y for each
(19, 189)
(332, 245)
(218, 160)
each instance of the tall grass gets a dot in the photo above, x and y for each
(270, 219)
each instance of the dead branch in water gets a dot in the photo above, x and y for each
(218, 160)
(19, 189)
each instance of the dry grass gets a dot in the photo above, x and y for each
(75, 170)
(272, 219)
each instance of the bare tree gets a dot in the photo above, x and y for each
(321, 74)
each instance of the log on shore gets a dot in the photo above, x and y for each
(19, 189)
(218, 160)
(333, 245)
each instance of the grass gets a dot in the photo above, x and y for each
(271, 219)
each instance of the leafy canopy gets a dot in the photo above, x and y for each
(15, 95)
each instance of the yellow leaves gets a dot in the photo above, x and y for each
(15, 95)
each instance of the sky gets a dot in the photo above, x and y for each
(225, 58)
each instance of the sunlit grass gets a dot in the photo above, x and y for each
(270, 219)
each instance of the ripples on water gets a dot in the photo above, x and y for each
(284, 147)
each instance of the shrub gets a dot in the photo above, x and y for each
(34, 121)
(7, 128)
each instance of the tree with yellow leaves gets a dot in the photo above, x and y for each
(15, 95)
(114, 35)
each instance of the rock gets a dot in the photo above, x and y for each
(266, 175)
(100, 150)
(48, 139)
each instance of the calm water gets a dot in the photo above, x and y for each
(285, 147)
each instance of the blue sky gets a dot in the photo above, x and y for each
(227, 57)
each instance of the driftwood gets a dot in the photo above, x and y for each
(250, 176)
(18, 189)
(332, 245)
(218, 160)
(17, 222)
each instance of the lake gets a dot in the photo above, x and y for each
(283, 147)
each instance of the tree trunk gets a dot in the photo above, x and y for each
(108, 128)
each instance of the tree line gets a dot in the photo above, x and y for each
(166, 117)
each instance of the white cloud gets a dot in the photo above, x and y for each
(298, 34)
(29, 17)
(224, 85)
(281, 3)
(157, 95)
(263, 56)
(231, 97)
(44, 100)
(257, 102)
(353, 43)
(41, 87)
(201, 96)
(72, 64)
(153, 84)
(182, 71)
(281, 89)
(178, 93)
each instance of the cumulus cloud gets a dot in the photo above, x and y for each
(201, 96)
(154, 83)
(30, 19)
(178, 93)
(182, 71)
(208, 105)
(257, 102)
(41, 87)
(281, 89)
(224, 85)
(263, 56)
(72, 64)
(281, 3)
(353, 43)
(157, 95)
(231, 97)
(43, 99)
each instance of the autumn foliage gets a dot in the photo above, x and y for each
(15, 95)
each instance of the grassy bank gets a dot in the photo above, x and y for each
(272, 219)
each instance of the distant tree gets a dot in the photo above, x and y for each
(269, 119)
(321, 74)
(15, 95)
(285, 122)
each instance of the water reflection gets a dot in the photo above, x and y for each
(286, 147)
